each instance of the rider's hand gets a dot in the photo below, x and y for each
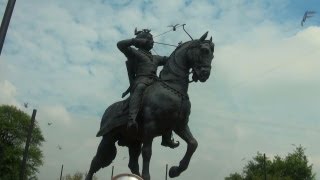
(139, 42)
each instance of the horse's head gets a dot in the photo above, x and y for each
(199, 56)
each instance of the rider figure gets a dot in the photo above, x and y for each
(142, 71)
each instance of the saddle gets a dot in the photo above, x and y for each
(115, 115)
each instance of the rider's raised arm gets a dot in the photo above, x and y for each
(124, 47)
(162, 60)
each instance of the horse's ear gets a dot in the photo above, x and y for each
(203, 37)
(211, 38)
(135, 31)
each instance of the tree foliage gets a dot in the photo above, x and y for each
(294, 166)
(14, 125)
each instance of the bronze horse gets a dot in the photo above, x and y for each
(165, 107)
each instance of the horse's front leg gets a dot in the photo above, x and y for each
(192, 143)
(134, 153)
(146, 156)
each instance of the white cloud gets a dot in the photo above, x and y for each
(55, 114)
(63, 59)
(8, 93)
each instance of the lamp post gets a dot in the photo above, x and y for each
(26, 150)
(5, 22)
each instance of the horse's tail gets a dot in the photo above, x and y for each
(114, 116)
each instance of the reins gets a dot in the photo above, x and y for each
(173, 55)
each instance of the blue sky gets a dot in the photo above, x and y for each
(61, 57)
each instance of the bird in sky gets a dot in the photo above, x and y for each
(49, 123)
(174, 27)
(25, 105)
(59, 147)
(306, 15)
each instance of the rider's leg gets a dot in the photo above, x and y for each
(168, 141)
(135, 100)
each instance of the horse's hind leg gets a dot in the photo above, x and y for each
(186, 135)
(134, 153)
(105, 155)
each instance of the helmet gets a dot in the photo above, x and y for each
(145, 34)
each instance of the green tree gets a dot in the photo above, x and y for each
(294, 166)
(14, 125)
(234, 176)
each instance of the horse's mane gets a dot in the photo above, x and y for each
(193, 43)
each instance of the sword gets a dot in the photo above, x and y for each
(130, 77)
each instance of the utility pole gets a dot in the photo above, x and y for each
(166, 171)
(61, 172)
(264, 166)
(26, 149)
(112, 172)
(5, 22)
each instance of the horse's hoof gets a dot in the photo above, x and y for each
(136, 173)
(88, 177)
(174, 172)
(146, 177)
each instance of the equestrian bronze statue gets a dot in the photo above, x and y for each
(163, 105)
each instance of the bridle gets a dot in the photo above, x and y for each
(183, 69)
(183, 78)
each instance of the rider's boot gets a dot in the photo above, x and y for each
(168, 141)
